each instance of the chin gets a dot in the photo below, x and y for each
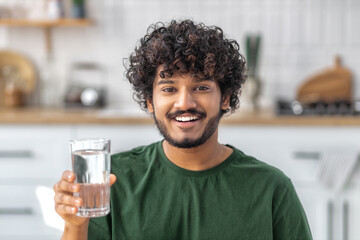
(186, 142)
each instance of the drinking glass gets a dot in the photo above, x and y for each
(91, 165)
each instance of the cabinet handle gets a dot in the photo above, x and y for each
(16, 211)
(16, 154)
(345, 220)
(330, 219)
(301, 155)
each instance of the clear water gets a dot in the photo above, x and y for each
(92, 170)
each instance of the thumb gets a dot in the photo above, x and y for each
(112, 179)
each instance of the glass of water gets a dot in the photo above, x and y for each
(91, 165)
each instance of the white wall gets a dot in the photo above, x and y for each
(300, 37)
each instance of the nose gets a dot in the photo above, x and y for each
(185, 100)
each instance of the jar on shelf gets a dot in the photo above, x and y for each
(13, 90)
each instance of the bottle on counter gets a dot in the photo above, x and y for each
(49, 87)
(13, 96)
(78, 9)
(13, 92)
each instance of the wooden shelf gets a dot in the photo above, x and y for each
(46, 23)
(67, 116)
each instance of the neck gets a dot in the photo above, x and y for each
(205, 156)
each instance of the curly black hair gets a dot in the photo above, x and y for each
(186, 47)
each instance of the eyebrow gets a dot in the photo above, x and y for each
(168, 81)
(165, 81)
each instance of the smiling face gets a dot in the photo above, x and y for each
(186, 109)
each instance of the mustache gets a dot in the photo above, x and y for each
(189, 111)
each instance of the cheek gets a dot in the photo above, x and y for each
(215, 100)
(161, 105)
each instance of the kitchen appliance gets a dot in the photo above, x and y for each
(294, 107)
(86, 86)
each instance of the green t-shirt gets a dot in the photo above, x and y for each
(241, 198)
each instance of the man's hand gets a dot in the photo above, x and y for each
(66, 205)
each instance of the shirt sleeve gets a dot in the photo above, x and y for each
(289, 219)
(99, 228)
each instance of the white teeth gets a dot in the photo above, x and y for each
(186, 119)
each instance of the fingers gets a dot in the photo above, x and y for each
(66, 184)
(112, 179)
(62, 209)
(67, 199)
(68, 176)
(65, 203)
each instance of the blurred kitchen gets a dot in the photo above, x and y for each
(62, 77)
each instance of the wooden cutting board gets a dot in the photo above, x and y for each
(331, 85)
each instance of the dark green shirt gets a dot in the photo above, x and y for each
(242, 198)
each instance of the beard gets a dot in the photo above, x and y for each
(209, 130)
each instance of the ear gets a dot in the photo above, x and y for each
(150, 106)
(225, 102)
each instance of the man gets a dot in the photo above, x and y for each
(188, 186)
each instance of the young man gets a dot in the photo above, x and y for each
(188, 186)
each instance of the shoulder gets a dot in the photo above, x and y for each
(266, 179)
(138, 156)
(260, 171)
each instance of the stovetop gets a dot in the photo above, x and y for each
(340, 108)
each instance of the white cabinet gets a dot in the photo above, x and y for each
(349, 213)
(23, 217)
(31, 160)
(33, 152)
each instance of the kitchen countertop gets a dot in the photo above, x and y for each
(71, 116)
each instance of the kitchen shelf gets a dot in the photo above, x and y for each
(46, 23)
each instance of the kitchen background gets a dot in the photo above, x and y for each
(299, 38)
